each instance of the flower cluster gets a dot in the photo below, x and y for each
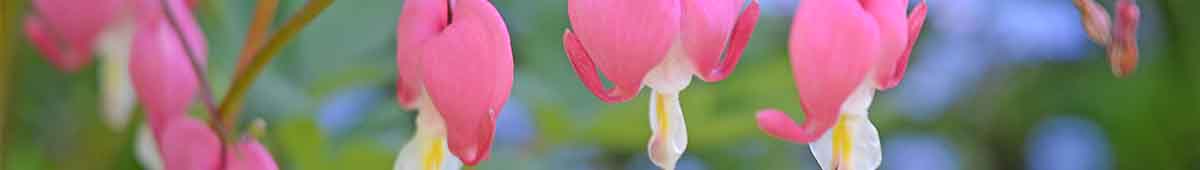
(455, 67)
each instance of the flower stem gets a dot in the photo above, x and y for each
(264, 11)
(8, 12)
(244, 78)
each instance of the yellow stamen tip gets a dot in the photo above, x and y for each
(842, 143)
(433, 158)
(660, 110)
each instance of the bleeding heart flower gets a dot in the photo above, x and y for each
(165, 82)
(64, 31)
(842, 51)
(249, 154)
(661, 44)
(189, 144)
(161, 71)
(1120, 39)
(456, 67)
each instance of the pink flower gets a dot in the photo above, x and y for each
(842, 51)
(162, 74)
(456, 67)
(189, 144)
(1120, 39)
(1123, 53)
(661, 44)
(165, 83)
(65, 31)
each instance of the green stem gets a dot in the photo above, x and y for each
(263, 13)
(245, 78)
(8, 12)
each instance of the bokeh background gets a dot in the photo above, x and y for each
(992, 85)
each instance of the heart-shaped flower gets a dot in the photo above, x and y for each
(163, 77)
(660, 44)
(456, 67)
(65, 31)
(842, 51)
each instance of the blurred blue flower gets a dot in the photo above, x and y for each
(1068, 143)
(344, 110)
(919, 152)
(946, 69)
(958, 19)
(1037, 30)
(968, 44)
(514, 128)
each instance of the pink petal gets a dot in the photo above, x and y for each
(916, 20)
(1123, 52)
(777, 124)
(419, 21)
(582, 62)
(162, 74)
(833, 45)
(1095, 21)
(189, 144)
(468, 75)
(48, 44)
(77, 21)
(706, 27)
(160, 68)
(250, 155)
(182, 15)
(624, 38)
(894, 38)
(67, 29)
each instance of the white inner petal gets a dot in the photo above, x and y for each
(673, 74)
(853, 142)
(860, 100)
(866, 150)
(669, 137)
(118, 98)
(427, 150)
(822, 150)
(147, 149)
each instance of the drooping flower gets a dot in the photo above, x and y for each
(660, 44)
(189, 144)
(66, 32)
(165, 82)
(1120, 39)
(456, 68)
(842, 51)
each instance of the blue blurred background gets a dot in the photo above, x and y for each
(992, 85)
